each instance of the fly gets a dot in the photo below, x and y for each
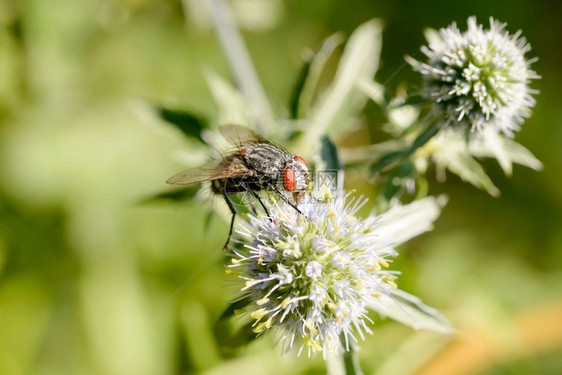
(257, 165)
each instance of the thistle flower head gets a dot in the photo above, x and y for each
(312, 278)
(480, 78)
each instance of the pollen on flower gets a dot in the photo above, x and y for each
(262, 301)
(479, 78)
(383, 263)
(258, 314)
(390, 280)
(308, 281)
(285, 302)
(309, 325)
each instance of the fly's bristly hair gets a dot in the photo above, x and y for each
(255, 165)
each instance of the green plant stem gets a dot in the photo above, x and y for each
(351, 362)
(241, 64)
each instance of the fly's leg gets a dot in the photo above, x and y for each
(284, 198)
(263, 205)
(256, 196)
(261, 202)
(233, 211)
(251, 202)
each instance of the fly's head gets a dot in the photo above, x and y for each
(296, 179)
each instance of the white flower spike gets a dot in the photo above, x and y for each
(479, 79)
(313, 280)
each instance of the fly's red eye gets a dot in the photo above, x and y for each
(289, 180)
(298, 158)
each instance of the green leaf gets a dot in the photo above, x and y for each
(412, 100)
(329, 155)
(294, 102)
(432, 36)
(402, 121)
(309, 77)
(395, 184)
(410, 310)
(404, 222)
(385, 161)
(520, 155)
(346, 363)
(391, 190)
(242, 67)
(344, 98)
(335, 364)
(351, 362)
(174, 195)
(190, 125)
(361, 154)
(232, 106)
(207, 220)
(239, 304)
(495, 144)
(468, 169)
(374, 91)
(515, 152)
(424, 137)
(243, 336)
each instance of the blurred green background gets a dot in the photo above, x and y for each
(89, 276)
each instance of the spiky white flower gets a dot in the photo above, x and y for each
(480, 78)
(314, 278)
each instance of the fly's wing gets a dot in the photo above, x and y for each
(230, 167)
(240, 135)
(191, 176)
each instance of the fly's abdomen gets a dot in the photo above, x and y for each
(217, 186)
(237, 184)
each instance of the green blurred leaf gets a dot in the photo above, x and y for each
(395, 156)
(344, 98)
(207, 220)
(309, 76)
(351, 362)
(240, 62)
(232, 106)
(468, 169)
(494, 143)
(26, 306)
(174, 195)
(395, 183)
(411, 100)
(385, 161)
(361, 154)
(294, 101)
(374, 91)
(404, 222)
(424, 137)
(329, 155)
(190, 125)
(201, 346)
(346, 363)
(402, 121)
(243, 336)
(239, 304)
(410, 310)
(514, 151)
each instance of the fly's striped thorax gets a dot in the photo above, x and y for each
(265, 158)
